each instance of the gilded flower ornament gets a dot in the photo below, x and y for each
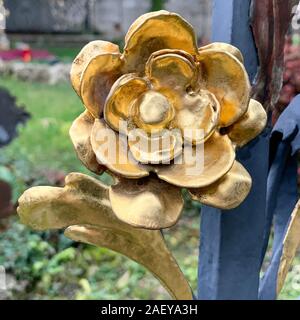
(165, 86)
(168, 106)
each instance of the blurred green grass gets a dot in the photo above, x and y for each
(43, 143)
(64, 54)
(46, 265)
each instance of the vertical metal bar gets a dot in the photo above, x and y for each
(231, 241)
(231, 24)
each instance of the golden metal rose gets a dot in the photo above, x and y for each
(163, 84)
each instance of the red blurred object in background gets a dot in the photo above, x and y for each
(291, 79)
(6, 206)
(26, 55)
(291, 75)
(23, 54)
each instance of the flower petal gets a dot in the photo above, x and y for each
(249, 125)
(218, 157)
(111, 150)
(121, 98)
(88, 52)
(198, 117)
(225, 76)
(177, 52)
(155, 149)
(221, 46)
(80, 133)
(171, 70)
(228, 192)
(96, 81)
(83, 206)
(155, 31)
(152, 112)
(175, 75)
(146, 203)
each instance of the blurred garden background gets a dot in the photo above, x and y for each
(37, 45)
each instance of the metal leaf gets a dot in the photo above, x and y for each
(83, 205)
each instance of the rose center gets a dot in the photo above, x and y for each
(154, 108)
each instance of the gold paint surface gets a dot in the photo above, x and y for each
(173, 85)
(218, 156)
(96, 80)
(160, 148)
(119, 161)
(250, 125)
(165, 52)
(152, 112)
(291, 244)
(161, 83)
(200, 111)
(80, 134)
(225, 76)
(83, 206)
(228, 192)
(156, 31)
(122, 96)
(171, 70)
(221, 46)
(88, 52)
(164, 203)
(154, 108)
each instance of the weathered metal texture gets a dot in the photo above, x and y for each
(162, 47)
(231, 241)
(282, 196)
(46, 16)
(291, 245)
(83, 206)
(270, 20)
